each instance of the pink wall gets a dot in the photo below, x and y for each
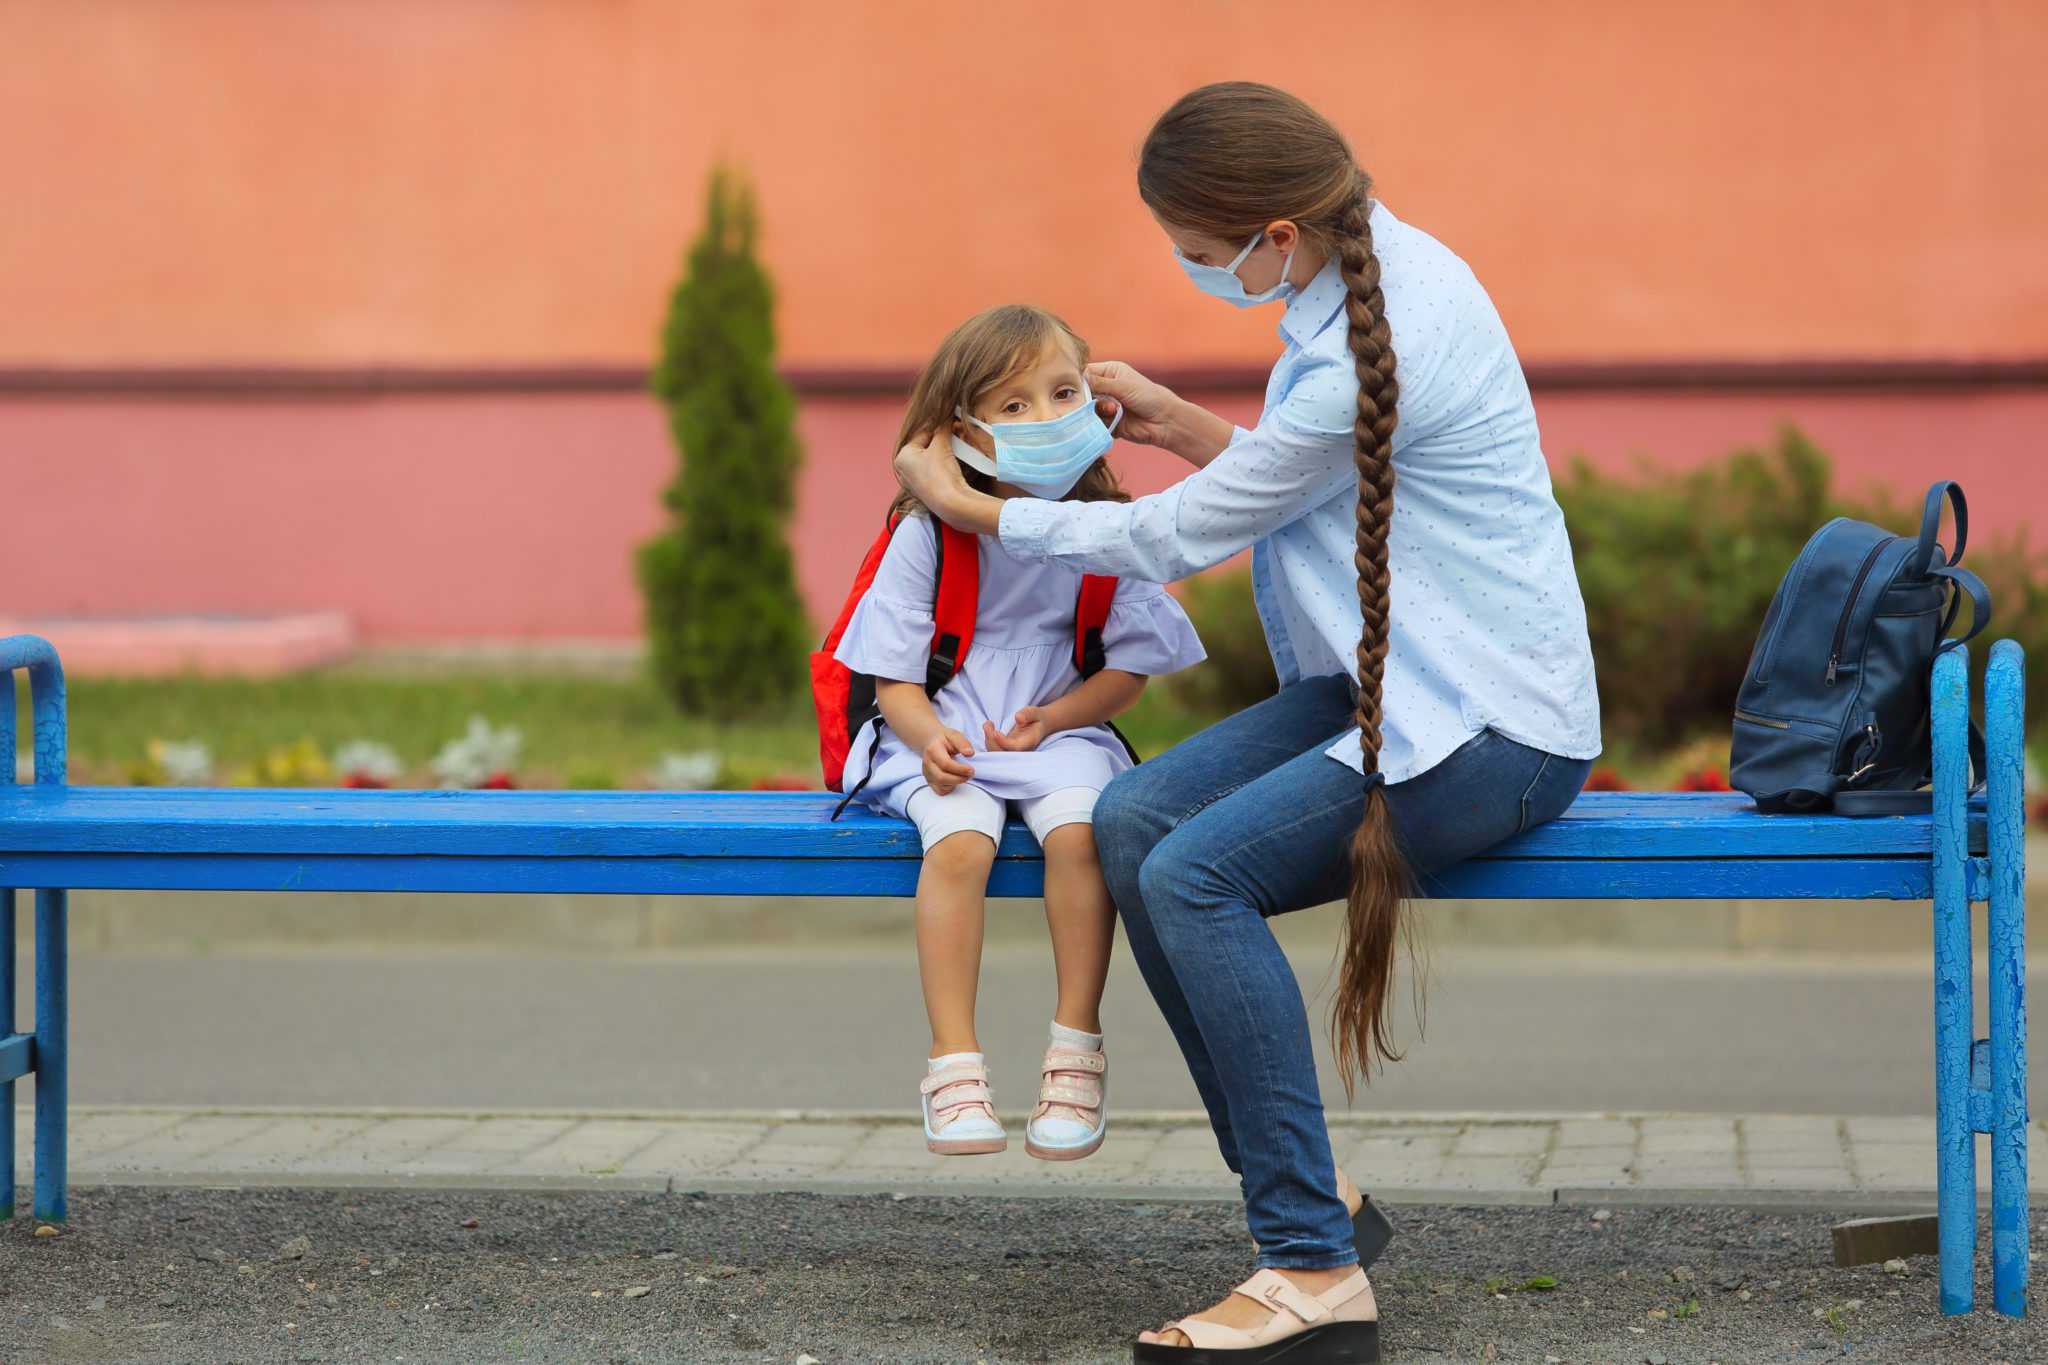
(491, 516)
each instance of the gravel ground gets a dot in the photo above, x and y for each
(172, 1275)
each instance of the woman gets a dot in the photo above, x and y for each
(1436, 683)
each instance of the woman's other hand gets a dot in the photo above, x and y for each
(928, 469)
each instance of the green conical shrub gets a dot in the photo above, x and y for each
(726, 630)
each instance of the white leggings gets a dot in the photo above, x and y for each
(968, 807)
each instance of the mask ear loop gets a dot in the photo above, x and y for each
(1093, 400)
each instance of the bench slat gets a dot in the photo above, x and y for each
(1896, 878)
(582, 825)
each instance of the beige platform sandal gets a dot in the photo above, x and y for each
(1339, 1326)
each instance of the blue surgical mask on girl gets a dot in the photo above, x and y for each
(1221, 281)
(1045, 459)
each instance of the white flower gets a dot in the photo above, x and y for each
(367, 758)
(481, 751)
(685, 772)
(186, 762)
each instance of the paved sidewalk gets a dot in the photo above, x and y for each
(1771, 1160)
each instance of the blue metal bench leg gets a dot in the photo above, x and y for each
(7, 1011)
(2004, 725)
(7, 1017)
(52, 1060)
(44, 1053)
(1955, 1140)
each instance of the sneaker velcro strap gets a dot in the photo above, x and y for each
(953, 1075)
(1276, 1291)
(963, 1097)
(1067, 1094)
(1076, 1061)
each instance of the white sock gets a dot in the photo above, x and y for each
(1062, 1036)
(952, 1059)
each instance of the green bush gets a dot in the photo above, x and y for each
(1677, 568)
(1239, 669)
(726, 631)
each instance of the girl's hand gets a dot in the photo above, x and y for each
(1027, 734)
(942, 768)
(1148, 407)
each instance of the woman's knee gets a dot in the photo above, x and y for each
(1179, 883)
(1126, 829)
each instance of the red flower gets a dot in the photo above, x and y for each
(1704, 780)
(497, 782)
(363, 780)
(781, 782)
(1606, 779)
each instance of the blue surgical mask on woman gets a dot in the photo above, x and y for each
(1045, 459)
(1221, 281)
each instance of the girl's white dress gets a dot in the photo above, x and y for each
(1022, 655)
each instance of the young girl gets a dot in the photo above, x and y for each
(1016, 726)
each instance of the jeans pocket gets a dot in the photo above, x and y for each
(1528, 792)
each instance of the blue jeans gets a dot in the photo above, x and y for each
(1248, 819)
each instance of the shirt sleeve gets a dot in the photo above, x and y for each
(1291, 463)
(1148, 632)
(890, 633)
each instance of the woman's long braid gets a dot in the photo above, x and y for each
(1360, 1020)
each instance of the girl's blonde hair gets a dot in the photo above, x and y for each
(1225, 161)
(979, 354)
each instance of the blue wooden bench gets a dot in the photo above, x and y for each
(1608, 846)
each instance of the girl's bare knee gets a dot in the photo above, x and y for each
(1071, 845)
(961, 854)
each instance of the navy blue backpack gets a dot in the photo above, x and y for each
(1833, 712)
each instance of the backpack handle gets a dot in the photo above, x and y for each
(1930, 526)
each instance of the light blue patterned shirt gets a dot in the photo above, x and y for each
(1487, 628)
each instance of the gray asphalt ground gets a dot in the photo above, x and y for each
(166, 1276)
(840, 1027)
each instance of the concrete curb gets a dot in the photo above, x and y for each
(1760, 1161)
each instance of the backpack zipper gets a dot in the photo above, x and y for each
(1763, 720)
(1849, 607)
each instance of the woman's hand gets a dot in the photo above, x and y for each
(930, 472)
(942, 765)
(1155, 415)
(1148, 407)
(1027, 734)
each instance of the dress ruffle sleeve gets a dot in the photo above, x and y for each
(890, 634)
(1147, 632)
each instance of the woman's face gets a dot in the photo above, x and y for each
(1260, 270)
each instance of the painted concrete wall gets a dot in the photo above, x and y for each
(515, 516)
(509, 181)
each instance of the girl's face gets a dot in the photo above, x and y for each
(1050, 387)
(1260, 270)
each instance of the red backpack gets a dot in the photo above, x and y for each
(846, 700)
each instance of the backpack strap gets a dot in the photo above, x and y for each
(1091, 614)
(1965, 584)
(955, 601)
(1930, 527)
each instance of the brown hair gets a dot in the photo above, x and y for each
(979, 354)
(1225, 161)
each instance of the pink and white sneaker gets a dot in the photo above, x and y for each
(1073, 1105)
(959, 1111)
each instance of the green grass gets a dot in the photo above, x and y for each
(578, 731)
